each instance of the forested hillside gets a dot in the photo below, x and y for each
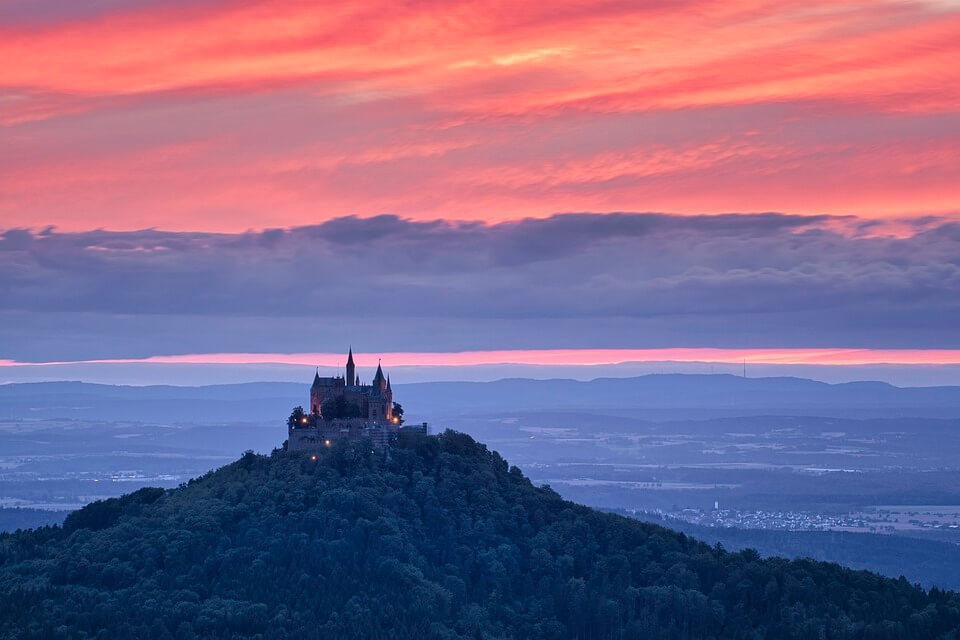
(436, 537)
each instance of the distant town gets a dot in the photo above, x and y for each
(883, 520)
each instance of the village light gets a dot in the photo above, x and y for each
(313, 458)
(326, 442)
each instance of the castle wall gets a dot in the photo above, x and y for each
(307, 438)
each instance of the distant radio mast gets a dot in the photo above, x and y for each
(744, 367)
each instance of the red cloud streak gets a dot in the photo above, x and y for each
(227, 115)
(556, 357)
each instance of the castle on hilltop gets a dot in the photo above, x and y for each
(334, 396)
(343, 407)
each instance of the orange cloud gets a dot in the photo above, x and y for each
(235, 114)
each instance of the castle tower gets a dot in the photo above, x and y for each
(388, 394)
(379, 380)
(315, 393)
(351, 369)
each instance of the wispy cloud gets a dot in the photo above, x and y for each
(226, 115)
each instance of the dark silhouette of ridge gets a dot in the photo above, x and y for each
(434, 537)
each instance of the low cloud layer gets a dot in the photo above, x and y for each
(574, 280)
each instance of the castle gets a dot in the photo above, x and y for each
(345, 397)
(342, 407)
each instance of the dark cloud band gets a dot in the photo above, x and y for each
(733, 280)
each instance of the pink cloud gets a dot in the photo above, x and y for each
(233, 115)
(559, 357)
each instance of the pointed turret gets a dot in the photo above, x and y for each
(351, 369)
(389, 388)
(316, 378)
(379, 380)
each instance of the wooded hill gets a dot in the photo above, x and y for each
(433, 537)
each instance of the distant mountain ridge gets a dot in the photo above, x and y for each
(692, 395)
(246, 402)
(715, 391)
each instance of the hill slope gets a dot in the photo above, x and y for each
(437, 539)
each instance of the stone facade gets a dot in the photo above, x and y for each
(323, 433)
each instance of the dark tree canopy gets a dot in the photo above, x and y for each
(339, 407)
(435, 537)
(297, 417)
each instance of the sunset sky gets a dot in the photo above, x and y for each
(180, 178)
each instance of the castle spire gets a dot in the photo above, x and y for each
(316, 378)
(379, 380)
(351, 369)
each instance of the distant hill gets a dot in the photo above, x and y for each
(434, 538)
(690, 395)
(659, 396)
(250, 402)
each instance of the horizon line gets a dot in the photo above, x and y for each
(547, 357)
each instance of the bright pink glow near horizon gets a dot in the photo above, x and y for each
(228, 115)
(557, 357)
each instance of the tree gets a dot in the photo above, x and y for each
(328, 409)
(338, 408)
(298, 418)
(398, 413)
